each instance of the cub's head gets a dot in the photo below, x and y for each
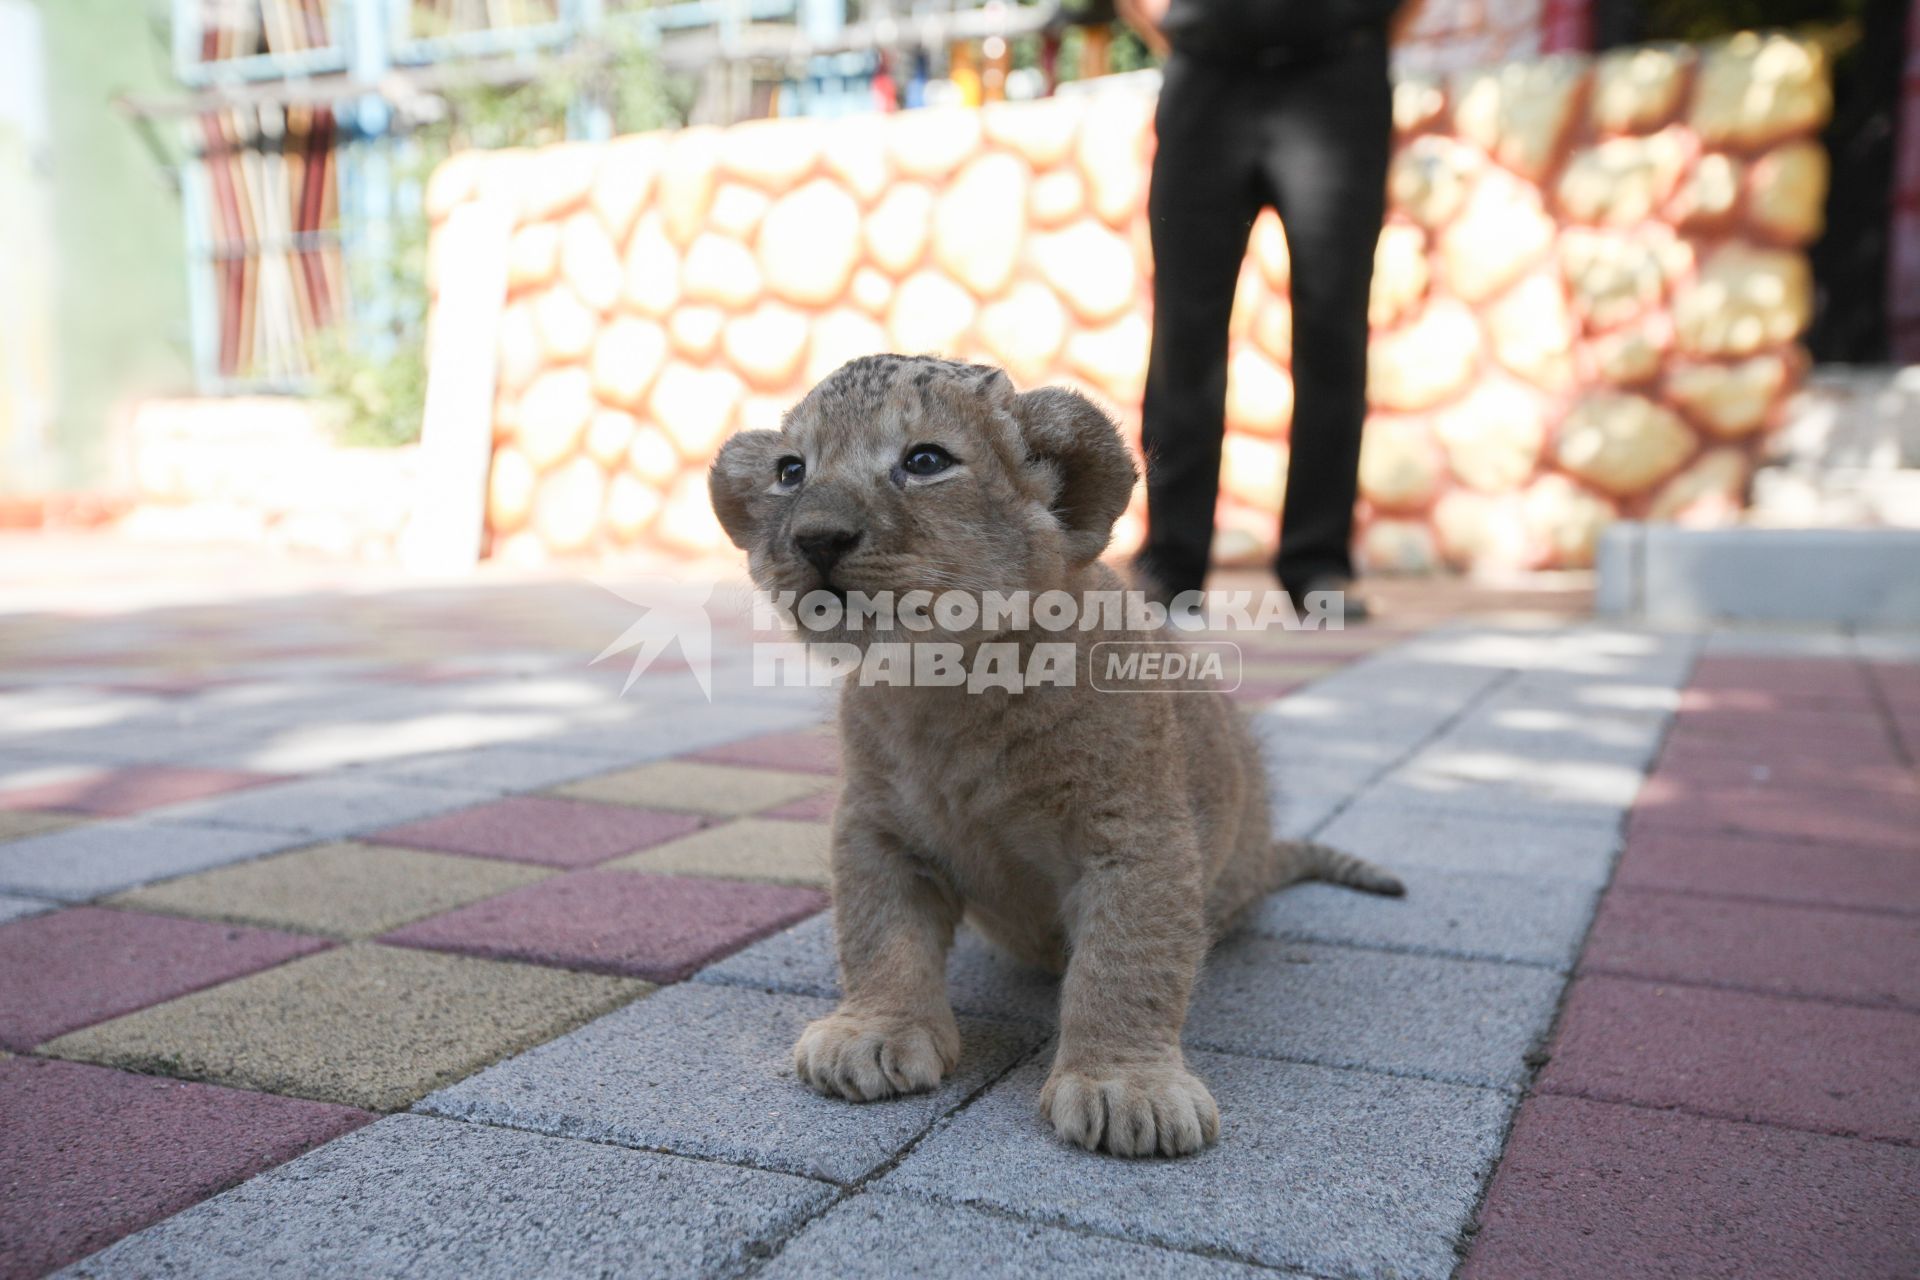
(909, 473)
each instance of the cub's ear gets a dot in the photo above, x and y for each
(1093, 474)
(738, 482)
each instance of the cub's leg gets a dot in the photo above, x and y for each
(894, 1030)
(1138, 929)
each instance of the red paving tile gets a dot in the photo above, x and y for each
(1836, 723)
(661, 928)
(88, 1155)
(817, 807)
(1888, 820)
(1592, 1191)
(805, 751)
(1809, 678)
(1804, 774)
(549, 830)
(1790, 871)
(1780, 748)
(118, 793)
(74, 968)
(1816, 952)
(1827, 1067)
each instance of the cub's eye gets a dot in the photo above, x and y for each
(790, 471)
(926, 460)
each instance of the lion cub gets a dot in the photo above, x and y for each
(1110, 837)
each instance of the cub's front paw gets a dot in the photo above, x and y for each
(865, 1056)
(1132, 1111)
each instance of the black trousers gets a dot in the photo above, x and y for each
(1310, 139)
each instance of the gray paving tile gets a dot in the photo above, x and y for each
(1459, 775)
(1401, 836)
(1462, 1021)
(325, 806)
(981, 979)
(1288, 746)
(1470, 914)
(707, 1070)
(1336, 1172)
(503, 769)
(104, 857)
(880, 1237)
(1766, 642)
(677, 730)
(12, 908)
(410, 1196)
(1503, 794)
(1298, 814)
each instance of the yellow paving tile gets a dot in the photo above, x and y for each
(344, 890)
(749, 849)
(721, 789)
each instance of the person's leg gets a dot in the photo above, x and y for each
(1329, 130)
(1200, 209)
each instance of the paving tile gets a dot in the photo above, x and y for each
(1592, 1191)
(1399, 836)
(672, 731)
(363, 1025)
(693, 787)
(344, 890)
(549, 830)
(411, 1196)
(1591, 795)
(1503, 780)
(1334, 1172)
(1779, 746)
(1843, 725)
(102, 857)
(16, 824)
(707, 1070)
(13, 908)
(1461, 1021)
(1800, 677)
(503, 768)
(660, 928)
(817, 807)
(1834, 1068)
(76, 967)
(1758, 946)
(331, 805)
(744, 849)
(1870, 819)
(1788, 871)
(981, 979)
(88, 1154)
(1473, 915)
(880, 1237)
(800, 751)
(1775, 645)
(121, 793)
(1806, 772)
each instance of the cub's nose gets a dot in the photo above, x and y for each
(824, 548)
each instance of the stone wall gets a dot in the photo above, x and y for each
(1587, 298)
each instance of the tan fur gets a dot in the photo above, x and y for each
(1109, 837)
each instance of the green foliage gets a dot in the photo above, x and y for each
(378, 379)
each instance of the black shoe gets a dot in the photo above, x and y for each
(1356, 610)
(1161, 588)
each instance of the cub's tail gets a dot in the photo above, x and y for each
(1319, 862)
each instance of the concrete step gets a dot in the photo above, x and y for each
(1665, 575)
